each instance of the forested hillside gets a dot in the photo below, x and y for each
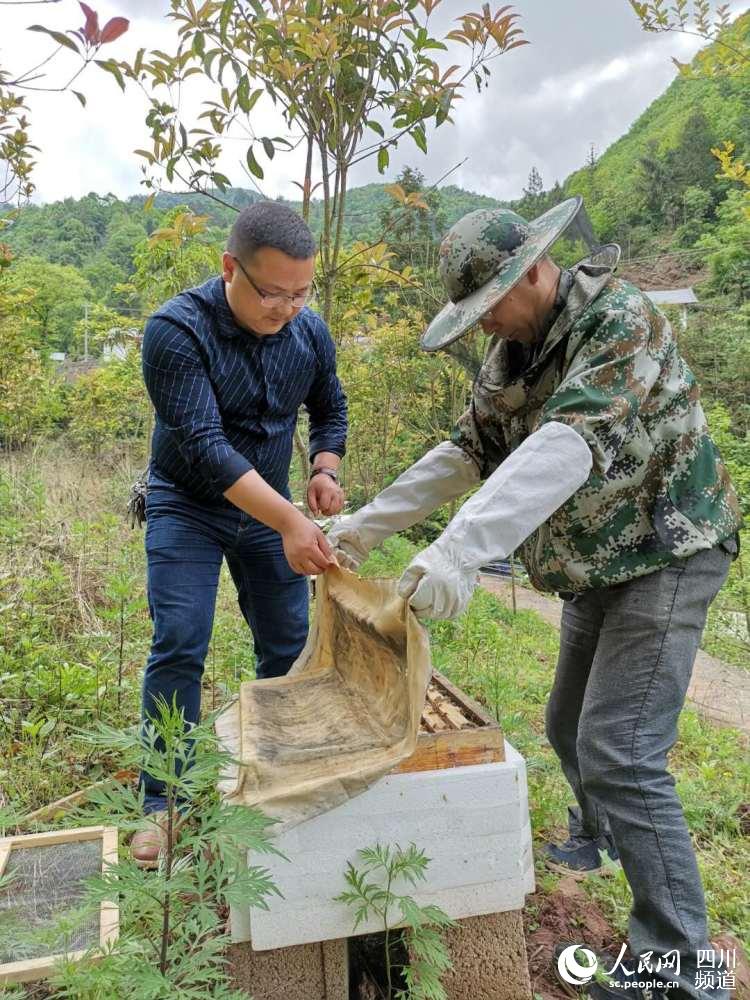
(84, 273)
(661, 175)
(654, 189)
(102, 227)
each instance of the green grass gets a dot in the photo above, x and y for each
(69, 565)
(72, 585)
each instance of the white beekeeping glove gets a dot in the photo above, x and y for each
(525, 490)
(444, 473)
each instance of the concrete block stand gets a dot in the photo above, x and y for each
(488, 954)
(302, 972)
(489, 959)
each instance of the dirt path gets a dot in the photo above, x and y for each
(718, 691)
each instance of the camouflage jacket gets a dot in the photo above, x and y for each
(609, 367)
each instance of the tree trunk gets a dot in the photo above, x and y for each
(304, 462)
(307, 186)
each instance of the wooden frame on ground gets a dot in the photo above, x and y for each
(28, 970)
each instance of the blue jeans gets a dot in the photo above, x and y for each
(626, 657)
(186, 542)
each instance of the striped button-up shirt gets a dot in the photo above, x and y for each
(226, 400)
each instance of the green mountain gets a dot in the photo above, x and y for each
(655, 187)
(74, 231)
(642, 179)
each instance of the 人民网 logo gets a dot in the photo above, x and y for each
(577, 965)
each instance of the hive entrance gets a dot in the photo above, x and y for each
(368, 977)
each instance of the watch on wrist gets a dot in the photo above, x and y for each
(326, 471)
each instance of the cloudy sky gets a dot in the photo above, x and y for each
(587, 75)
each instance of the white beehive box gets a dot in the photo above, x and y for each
(471, 821)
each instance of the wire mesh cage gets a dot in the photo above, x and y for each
(43, 913)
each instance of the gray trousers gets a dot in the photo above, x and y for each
(626, 656)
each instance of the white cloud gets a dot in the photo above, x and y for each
(554, 116)
(588, 74)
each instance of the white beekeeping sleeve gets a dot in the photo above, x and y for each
(525, 490)
(444, 473)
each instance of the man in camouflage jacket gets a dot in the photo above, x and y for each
(610, 369)
(586, 426)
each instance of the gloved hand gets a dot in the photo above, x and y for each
(345, 542)
(522, 493)
(444, 473)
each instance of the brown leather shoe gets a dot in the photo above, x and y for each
(148, 843)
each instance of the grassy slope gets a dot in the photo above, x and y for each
(66, 557)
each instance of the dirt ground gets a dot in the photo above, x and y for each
(666, 271)
(564, 915)
(569, 915)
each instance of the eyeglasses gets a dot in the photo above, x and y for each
(271, 299)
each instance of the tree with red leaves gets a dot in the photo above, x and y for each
(91, 34)
(16, 149)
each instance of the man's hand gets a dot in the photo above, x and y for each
(324, 496)
(306, 547)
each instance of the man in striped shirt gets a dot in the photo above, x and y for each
(227, 366)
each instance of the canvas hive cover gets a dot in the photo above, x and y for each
(347, 712)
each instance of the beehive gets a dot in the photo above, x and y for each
(363, 744)
(472, 820)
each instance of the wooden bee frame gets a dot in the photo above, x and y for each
(455, 731)
(29, 969)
